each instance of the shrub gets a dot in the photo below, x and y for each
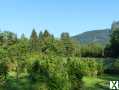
(116, 65)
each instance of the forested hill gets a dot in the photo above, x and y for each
(95, 36)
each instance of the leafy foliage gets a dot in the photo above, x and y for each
(112, 48)
(92, 50)
(46, 63)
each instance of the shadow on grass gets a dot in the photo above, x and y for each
(13, 84)
(99, 83)
(110, 77)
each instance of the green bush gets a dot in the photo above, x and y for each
(116, 65)
(56, 73)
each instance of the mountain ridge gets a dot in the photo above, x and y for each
(94, 36)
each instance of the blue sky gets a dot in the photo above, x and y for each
(57, 16)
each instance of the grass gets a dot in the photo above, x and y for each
(91, 81)
(98, 83)
(110, 77)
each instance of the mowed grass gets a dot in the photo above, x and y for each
(91, 81)
(98, 83)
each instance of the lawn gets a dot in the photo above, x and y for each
(98, 83)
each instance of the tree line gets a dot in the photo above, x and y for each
(46, 43)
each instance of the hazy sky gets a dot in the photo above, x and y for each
(73, 16)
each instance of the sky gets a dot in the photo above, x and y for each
(57, 16)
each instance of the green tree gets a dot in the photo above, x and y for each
(116, 65)
(4, 68)
(37, 74)
(75, 74)
(34, 42)
(7, 38)
(115, 43)
(40, 35)
(4, 62)
(67, 46)
(112, 48)
(48, 43)
(46, 34)
(17, 54)
(1, 38)
(92, 50)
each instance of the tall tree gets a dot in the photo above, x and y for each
(34, 42)
(7, 38)
(67, 44)
(46, 34)
(115, 43)
(47, 42)
(40, 35)
(4, 62)
(1, 38)
(113, 48)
